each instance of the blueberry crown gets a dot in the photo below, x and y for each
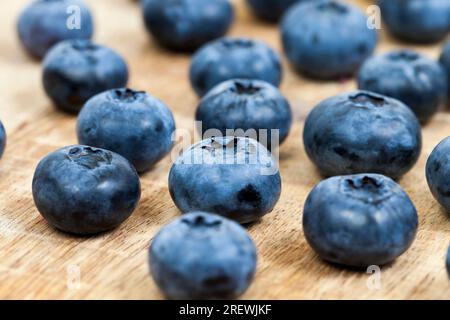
(202, 221)
(88, 157)
(84, 45)
(247, 88)
(126, 95)
(237, 43)
(332, 6)
(403, 55)
(367, 99)
(371, 189)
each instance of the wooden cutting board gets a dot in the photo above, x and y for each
(37, 261)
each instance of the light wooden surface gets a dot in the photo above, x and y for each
(38, 262)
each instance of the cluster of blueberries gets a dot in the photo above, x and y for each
(361, 140)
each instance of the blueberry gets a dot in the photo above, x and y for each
(361, 132)
(76, 70)
(2, 139)
(185, 25)
(246, 105)
(327, 39)
(232, 176)
(84, 190)
(202, 256)
(270, 10)
(132, 123)
(419, 82)
(420, 21)
(46, 22)
(448, 262)
(359, 220)
(438, 173)
(231, 58)
(445, 62)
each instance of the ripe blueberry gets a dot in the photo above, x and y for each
(232, 58)
(327, 39)
(85, 190)
(445, 62)
(202, 256)
(359, 220)
(417, 81)
(132, 123)
(76, 70)
(2, 139)
(45, 22)
(246, 105)
(187, 24)
(270, 10)
(232, 176)
(420, 21)
(438, 173)
(361, 132)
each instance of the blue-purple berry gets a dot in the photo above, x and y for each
(202, 256)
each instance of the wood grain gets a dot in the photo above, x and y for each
(37, 262)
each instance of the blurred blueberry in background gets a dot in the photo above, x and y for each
(327, 39)
(234, 58)
(445, 62)
(76, 70)
(187, 24)
(417, 81)
(2, 139)
(246, 104)
(419, 21)
(44, 23)
(271, 10)
(132, 123)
